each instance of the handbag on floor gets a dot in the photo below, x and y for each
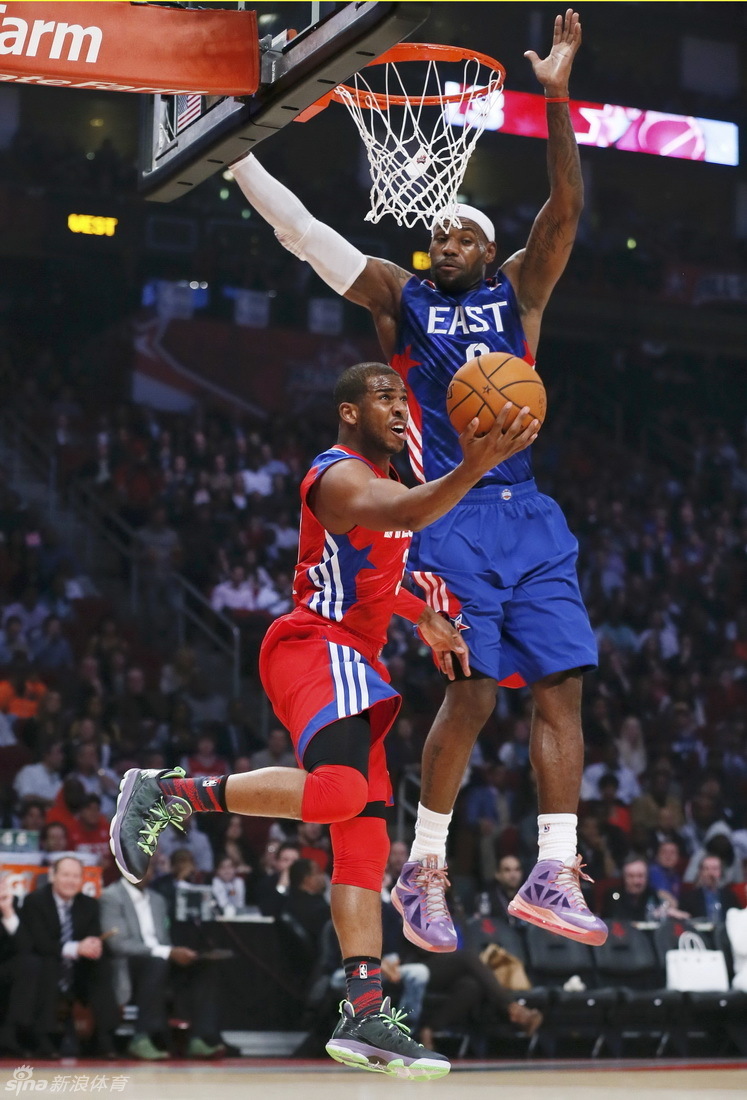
(507, 969)
(692, 968)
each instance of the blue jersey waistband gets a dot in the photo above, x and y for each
(498, 494)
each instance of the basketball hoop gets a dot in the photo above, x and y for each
(417, 156)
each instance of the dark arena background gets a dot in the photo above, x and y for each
(166, 370)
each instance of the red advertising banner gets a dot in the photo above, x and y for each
(607, 125)
(123, 47)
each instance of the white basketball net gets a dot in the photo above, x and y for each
(418, 153)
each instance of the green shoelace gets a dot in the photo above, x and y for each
(397, 1019)
(158, 817)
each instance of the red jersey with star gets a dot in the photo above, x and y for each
(351, 579)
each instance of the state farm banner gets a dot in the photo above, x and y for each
(606, 125)
(123, 47)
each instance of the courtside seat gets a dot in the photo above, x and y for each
(719, 1018)
(578, 1014)
(552, 960)
(644, 1009)
(479, 932)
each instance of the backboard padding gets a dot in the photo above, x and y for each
(301, 72)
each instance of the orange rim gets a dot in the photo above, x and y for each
(417, 51)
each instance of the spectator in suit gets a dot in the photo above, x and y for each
(146, 964)
(61, 953)
(305, 899)
(708, 898)
(8, 939)
(634, 899)
(305, 911)
(182, 868)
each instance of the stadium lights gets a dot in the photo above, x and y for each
(421, 261)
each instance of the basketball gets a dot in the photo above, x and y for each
(482, 387)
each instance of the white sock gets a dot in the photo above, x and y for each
(557, 836)
(431, 831)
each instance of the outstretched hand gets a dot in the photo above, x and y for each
(482, 453)
(554, 70)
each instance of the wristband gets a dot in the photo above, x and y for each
(557, 99)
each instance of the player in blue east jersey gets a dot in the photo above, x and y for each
(503, 562)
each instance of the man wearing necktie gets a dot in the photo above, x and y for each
(147, 967)
(59, 939)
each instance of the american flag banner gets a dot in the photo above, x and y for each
(188, 108)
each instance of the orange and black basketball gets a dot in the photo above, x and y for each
(482, 387)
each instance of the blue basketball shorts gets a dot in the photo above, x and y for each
(502, 563)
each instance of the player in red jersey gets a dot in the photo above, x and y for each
(320, 667)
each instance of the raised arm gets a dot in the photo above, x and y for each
(536, 269)
(350, 494)
(365, 280)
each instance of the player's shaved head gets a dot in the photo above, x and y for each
(352, 385)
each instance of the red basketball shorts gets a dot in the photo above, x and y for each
(315, 672)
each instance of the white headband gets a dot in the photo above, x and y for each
(471, 213)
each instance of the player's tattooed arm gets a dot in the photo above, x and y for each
(536, 269)
(554, 230)
(379, 285)
(379, 289)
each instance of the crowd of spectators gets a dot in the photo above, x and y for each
(83, 696)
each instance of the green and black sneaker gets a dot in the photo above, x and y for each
(381, 1043)
(143, 812)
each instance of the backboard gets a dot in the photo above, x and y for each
(187, 138)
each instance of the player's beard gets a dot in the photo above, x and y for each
(461, 281)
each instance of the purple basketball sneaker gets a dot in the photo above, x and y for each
(420, 896)
(551, 898)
